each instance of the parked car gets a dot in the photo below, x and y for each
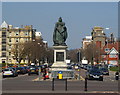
(104, 71)
(27, 68)
(21, 70)
(10, 72)
(89, 67)
(33, 70)
(95, 74)
(69, 67)
(111, 65)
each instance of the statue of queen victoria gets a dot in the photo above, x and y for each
(60, 33)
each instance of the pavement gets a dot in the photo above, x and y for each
(50, 79)
(37, 91)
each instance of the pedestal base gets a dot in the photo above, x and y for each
(59, 66)
(59, 58)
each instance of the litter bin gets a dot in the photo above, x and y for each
(117, 75)
(60, 75)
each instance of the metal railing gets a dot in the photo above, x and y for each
(65, 74)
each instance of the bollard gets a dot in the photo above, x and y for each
(79, 73)
(53, 84)
(117, 75)
(86, 84)
(66, 84)
(39, 73)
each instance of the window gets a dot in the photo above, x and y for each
(17, 33)
(104, 56)
(10, 40)
(113, 56)
(4, 41)
(114, 62)
(26, 39)
(107, 49)
(3, 47)
(9, 53)
(3, 54)
(17, 39)
(10, 46)
(3, 34)
(26, 33)
(10, 33)
(98, 34)
(99, 31)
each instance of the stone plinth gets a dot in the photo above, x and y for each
(59, 58)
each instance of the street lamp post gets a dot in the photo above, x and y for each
(107, 48)
(6, 61)
(93, 53)
(79, 63)
(39, 66)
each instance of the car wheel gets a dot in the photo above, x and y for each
(37, 73)
(101, 79)
(3, 76)
(29, 74)
(16, 75)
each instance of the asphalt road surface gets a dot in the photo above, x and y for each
(26, 84)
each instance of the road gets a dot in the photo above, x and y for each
(26, 84)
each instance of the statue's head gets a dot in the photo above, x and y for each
(60, 19)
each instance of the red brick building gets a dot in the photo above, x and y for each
(109, 53)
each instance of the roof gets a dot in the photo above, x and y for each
(111, 46)
(113, 51)
(4, 25)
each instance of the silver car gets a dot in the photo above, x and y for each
(9, 72)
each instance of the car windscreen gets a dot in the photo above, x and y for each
(12, 68)
(33, 67)
(19, 68)
(7, 70)
(104, 69)
(95, 71)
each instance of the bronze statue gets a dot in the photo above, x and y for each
(60, 33)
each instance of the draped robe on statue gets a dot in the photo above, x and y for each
(60, 33)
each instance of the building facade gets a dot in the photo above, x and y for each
(9, 36)
(86, 41)
(110, 53)
(98, 36)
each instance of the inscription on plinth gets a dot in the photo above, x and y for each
(59, 56)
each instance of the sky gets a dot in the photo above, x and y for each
(79, 17)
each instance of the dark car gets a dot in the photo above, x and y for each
(27, 68)
(33, 70)
(21, 70)
(95, 74)
(69, 67)
(104, 71)
(89, 67)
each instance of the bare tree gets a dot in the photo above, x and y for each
(35, 51)
(72, 55)
(18, 52)
(49, 55)
(92, 53)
